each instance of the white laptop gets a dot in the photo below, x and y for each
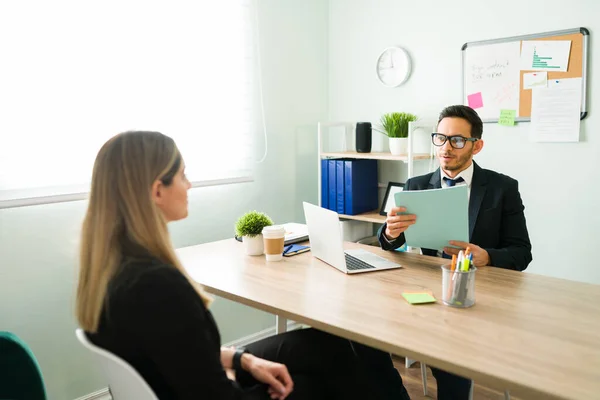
(327, 244)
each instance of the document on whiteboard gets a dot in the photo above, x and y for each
(556, 111)
(545, 55)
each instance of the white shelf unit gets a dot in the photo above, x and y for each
(349, 131)
(409, 159)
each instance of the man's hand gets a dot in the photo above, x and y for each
(273, 374)
(481, 257)
(396, 224)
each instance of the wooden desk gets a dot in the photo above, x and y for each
(537, 336)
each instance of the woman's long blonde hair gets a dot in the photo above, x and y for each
(121, 212)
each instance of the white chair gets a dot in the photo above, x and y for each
(124, 382)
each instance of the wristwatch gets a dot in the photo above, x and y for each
(237, 358)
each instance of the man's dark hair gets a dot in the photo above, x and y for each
(466, 113)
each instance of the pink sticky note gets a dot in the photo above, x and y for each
(475, 100)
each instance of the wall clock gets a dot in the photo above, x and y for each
(393, 66)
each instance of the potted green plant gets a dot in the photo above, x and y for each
(395, 126)
(249, 227)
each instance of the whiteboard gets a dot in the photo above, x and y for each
(494, 72)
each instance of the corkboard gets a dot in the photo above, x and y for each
(574, 70)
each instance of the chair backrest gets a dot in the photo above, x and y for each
(20, 375)
(124, 382)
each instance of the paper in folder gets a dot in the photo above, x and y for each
(442, 215)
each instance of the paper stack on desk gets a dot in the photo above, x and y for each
(295, 233)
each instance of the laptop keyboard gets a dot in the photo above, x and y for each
(353, 263)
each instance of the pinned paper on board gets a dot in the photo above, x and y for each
(556, 111)
(475, 100)
(535, 79)
(545, 55)
(507, 117)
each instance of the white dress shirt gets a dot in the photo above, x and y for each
(467, 176)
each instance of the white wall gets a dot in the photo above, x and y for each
(558, 182)
(37, 244)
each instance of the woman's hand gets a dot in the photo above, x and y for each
(273, 374)
(230, 373)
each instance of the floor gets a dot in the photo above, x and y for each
(412, 381)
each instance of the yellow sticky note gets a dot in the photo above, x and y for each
(507, 117)
(418, 298)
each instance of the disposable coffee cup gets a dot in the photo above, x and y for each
(273, 237)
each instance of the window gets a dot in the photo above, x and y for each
(74, 73)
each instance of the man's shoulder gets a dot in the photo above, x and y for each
(497, 178)
(420, 182)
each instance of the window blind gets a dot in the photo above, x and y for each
(75, 73)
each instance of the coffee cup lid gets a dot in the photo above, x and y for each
(273, 231)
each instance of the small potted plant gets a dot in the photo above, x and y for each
(249, 227)
(395, 126)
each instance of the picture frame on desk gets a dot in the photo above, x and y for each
(388, 199)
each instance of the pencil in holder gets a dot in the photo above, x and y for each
(458, 287)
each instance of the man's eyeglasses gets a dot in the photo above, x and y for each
(457, 141)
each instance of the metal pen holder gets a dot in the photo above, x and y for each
(458, 287)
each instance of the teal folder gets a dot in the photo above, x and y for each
(442, 215)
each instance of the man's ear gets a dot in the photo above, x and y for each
(156, 192)
(478, 146)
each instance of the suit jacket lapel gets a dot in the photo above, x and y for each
(435, 182)
(477, 193)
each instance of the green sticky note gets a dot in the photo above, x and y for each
(418, 298)
(507, 117)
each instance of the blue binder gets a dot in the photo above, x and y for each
(360, 186)
(339, 186)
(331, 202)
(324, 183)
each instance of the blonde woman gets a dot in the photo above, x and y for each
(135, 299)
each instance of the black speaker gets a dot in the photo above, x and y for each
(363, 137)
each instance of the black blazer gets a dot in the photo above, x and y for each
(496, 218)
(155, 320)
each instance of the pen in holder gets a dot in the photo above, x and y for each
(458, 287)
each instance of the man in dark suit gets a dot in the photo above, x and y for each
(497, 230)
